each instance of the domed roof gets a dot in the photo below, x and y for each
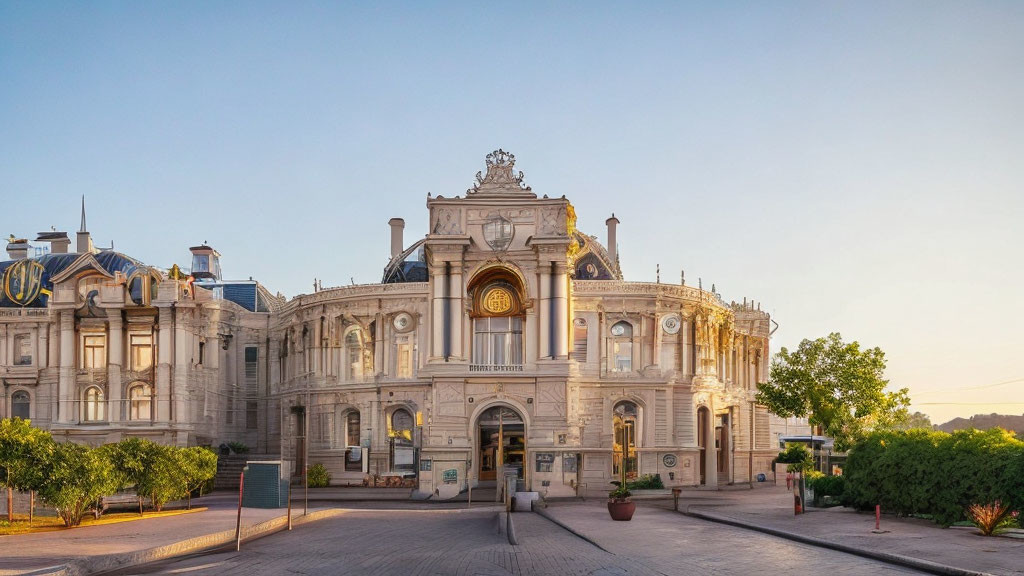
(409, 266)
(591, 260)
(54, 264)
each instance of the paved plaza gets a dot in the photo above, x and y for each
(428, 542)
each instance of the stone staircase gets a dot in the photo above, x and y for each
(230, 467)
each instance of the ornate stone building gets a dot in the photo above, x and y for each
(504, 342)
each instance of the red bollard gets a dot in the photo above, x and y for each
(878, 516)
(797, 508)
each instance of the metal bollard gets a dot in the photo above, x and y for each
(675, 498)
(238, 520)
(289, 503)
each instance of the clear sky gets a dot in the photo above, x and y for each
(857, 167)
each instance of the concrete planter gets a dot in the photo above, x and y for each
(621, 511)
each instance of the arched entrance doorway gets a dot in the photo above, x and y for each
(703, 417)
(501, 442)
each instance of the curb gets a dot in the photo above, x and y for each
(544, 514)
(111, 562)
(887, 557)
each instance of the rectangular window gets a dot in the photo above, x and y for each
(251, 414)
(252, 369)
(579, 342)
(404, 359)
(498, 341)
(94, 355)
(352, 431)
(142, 351)
(22, 350)
(202, 352)
(622, 355)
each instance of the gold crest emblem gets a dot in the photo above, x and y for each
(23, 282)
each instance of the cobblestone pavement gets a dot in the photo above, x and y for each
(433, 542)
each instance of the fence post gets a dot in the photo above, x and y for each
(238, 521)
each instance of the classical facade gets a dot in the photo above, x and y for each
(504, 342)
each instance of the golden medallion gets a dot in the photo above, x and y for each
(497, 301)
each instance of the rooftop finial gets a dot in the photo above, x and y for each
(83, 228)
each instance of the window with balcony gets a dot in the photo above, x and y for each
(498, 308)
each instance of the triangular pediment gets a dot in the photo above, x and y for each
(86, 263)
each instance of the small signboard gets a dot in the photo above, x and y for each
(450, 476)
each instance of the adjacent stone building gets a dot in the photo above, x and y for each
(504, 342)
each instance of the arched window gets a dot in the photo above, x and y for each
(403, 454)
(621, 345)
(624, 422)
(498, 307)
(401, 424)
(353, 453)
(93, 405)
(20, 404)
(354, 355)
(140, 402)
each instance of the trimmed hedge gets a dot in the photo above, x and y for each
(935, 473)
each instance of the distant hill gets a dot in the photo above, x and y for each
(984, 422)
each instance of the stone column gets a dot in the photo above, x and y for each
(53, 329)
(544, 310)
(43, 348)
(455, 310)
(165, 334)
(437, 319)
(114, 364)
(561, 319)
(182, 363)
(66, 382)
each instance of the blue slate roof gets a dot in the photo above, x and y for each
(54, 264)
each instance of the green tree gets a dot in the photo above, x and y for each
(133, 464)
(76, 477)
(166, 479)
(915, 421)
(198, 464)
(837, 386)
(24, 451)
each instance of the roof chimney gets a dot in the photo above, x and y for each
(397, 226)
(612, 246)
(59, 241)
(84, 239)
(17, 248)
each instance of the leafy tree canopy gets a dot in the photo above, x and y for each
(24, 451)
(837, 386)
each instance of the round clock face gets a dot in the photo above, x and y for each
(402, 322)
(670, 324)
(618, 330)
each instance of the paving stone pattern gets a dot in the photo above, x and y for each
(466, 543)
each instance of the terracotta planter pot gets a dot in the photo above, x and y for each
(622, 511)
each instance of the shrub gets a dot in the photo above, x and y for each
(77, 476)
(24, 452)
(238, 447)
(646, 482)
(797, 456)
(925, 472)
(992, 518)
(828, 486)
(317, 476)
(198, 467)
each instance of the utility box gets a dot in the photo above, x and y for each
(265, 486)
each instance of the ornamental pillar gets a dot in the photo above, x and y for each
(66, 380)
(114, 363)
(163, 368)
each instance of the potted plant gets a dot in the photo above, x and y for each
(619, 505)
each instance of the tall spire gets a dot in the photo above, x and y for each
(83, 229)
